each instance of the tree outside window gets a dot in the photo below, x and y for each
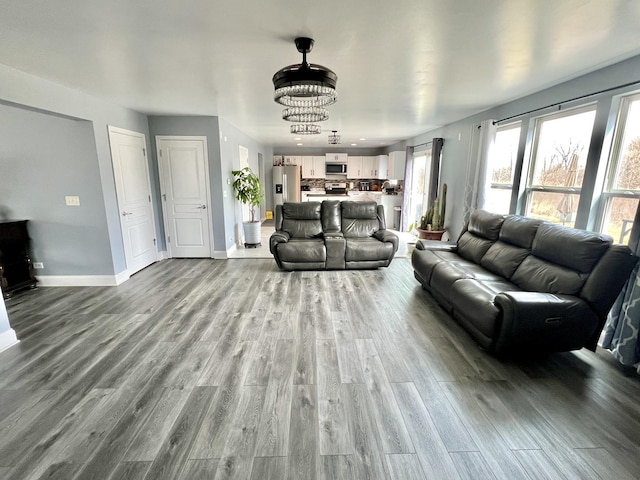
(558, 163)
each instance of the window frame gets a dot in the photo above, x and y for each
(535, 142)
(609, 193)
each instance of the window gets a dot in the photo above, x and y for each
(559, 157)
(503, 162)
(419, 193)
(622, 190)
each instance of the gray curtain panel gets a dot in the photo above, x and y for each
(621, 334)
(408, 170)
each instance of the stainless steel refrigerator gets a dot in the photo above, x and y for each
(286, 184)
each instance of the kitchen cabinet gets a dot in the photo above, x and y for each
(354, 167)
(396, 165)
(336, 157)
(313, 167)
(367, 167)
(292, 160)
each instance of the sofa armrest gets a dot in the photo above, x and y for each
(277, 237)
(537, 321)
(436, 245)
(387, 236)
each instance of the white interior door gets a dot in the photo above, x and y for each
(133, 189)
(185, 194)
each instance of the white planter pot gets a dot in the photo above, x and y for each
(252, 233)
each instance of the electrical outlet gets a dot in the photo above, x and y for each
(38, 265)
(72, 201)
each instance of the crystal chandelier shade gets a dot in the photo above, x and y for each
(305, 114)
(305, 129)
(305, 88)
(334, 138)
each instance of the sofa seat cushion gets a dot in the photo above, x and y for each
(303, 250)
(473, 301)
(445, 274)
(424, 261)
(367, 249)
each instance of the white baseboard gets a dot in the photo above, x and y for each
(8, 339)
(82, 280)
(163, 255)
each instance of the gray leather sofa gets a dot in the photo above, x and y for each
(518, 284)
(331, 235)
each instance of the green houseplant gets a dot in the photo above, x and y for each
(248, 189)
(432, 222)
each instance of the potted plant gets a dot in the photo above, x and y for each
(249, 191)
(432, 222)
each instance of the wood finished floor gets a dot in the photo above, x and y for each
(213, 369)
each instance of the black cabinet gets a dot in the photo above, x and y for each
(16, 268)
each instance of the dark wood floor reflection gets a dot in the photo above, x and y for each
(203, 369)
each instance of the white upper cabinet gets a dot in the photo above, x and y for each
(354, 167)
(367, 167)
(313, 167)
(336, 157)
(292, 160)
(397, 162)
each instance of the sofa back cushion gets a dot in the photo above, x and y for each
(482, 231)
(537, 275)
(575, 249)
(514, 245)
(561, 259)
(302, 220)
(331, 216)
(359, 219)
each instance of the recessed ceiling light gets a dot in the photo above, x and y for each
(362, 139)
(354, 144)
(299, 144)
(297, 139)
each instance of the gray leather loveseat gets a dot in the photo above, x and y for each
(331, 235)
(518, 284)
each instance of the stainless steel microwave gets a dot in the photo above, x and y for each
(336, 168)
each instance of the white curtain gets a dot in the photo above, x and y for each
(408, 172)
(478, 178)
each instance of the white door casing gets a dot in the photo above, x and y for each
(133, 190)
(243, 156)
(184, 179)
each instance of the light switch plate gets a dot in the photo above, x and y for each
(72, 201)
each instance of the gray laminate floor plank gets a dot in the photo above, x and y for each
(404, 466)
(303, 437)
(172, 456)
(431, 451)
(306, 375)
(391, 428)
(332, 417)
(273, 431)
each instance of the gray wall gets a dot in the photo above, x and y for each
(43, 158)
(32, 93)
(230, 139)
(223, 140)
(457, 135)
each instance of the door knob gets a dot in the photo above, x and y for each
(124, 214)
(202, 207)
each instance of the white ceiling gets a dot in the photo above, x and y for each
(404, 67)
